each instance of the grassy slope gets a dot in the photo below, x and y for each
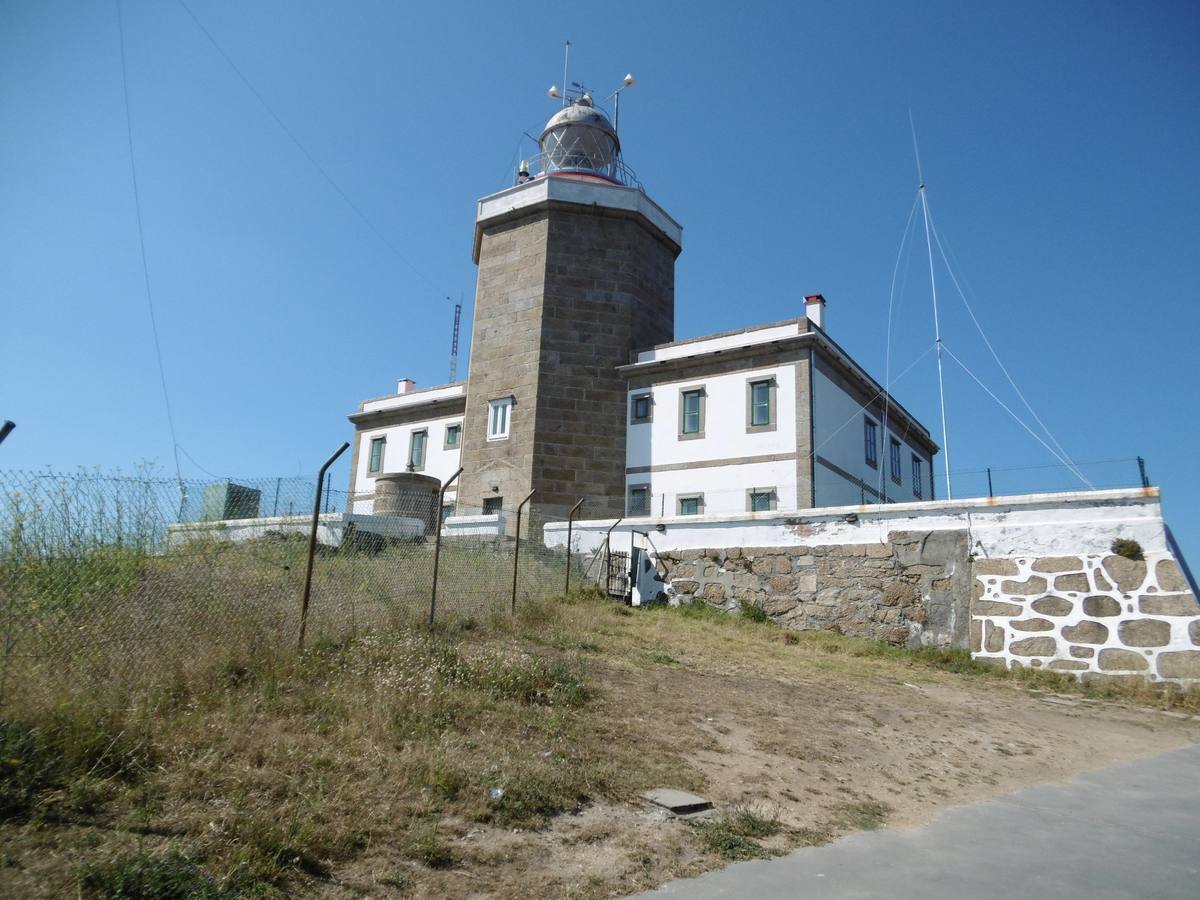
(253, 774)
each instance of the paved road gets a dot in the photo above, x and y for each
(1129, 831)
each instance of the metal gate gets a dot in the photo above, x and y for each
(616, 576)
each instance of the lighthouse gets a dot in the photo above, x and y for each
(576, 271)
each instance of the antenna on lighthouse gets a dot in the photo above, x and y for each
(454, 341)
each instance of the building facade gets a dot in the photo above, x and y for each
(577, 388)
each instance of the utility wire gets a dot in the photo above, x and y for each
(137, 203)
(887, 371)
(1003, 368)
(1074, 469)
(304, 150)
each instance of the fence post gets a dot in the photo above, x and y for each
(517, 548)
(1142, 472)
(608, 552)
(437, 543)
(991, 493)
(570, 524)
(312, 539)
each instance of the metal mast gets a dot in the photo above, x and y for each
(454, 342)
(937, 331)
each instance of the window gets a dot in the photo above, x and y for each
(493, 505)
(761, 499)
(916, 479)
(691, 413)
(453, 436)
(499, 413)
(639, 500)
(640, 409)
(447, 511)
(416, 450)
(375, 464)
(691, 505)
(869, 440)
(760, 405)
(894, 451)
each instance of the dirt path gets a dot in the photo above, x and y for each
(819, 753)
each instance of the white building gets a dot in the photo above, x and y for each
(577, 390)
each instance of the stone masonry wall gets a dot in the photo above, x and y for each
(1093, 616)
(912, 591)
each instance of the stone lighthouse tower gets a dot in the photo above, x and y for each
(576, 271)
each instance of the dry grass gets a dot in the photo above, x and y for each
(409, 759)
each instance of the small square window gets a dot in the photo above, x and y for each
(916, 476)
(499, 416)
(416, 450)
(453, 436)
(894, 451)
(639, 500)
(375, 463)
(871, 443)
(691, 505)
(640, 409)
(493, 505)
(761, 499)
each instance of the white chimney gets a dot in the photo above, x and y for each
(814, 309)
(405, 386)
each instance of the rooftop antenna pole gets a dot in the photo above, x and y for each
(937, 331)
(566, 62)
(454, 341)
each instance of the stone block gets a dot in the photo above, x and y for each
(1053, 606)
(715, 592)
(1077, 583)
(1144, 633)
(1169, 576)
(1194, 631)
(780, 584)
(1169, 605)
(1113, 660)
(879, 551)
(1179, 664)
(1102, 583)
(1068, 665)
(806, 583)
(1086, 632)
(778, 606)
(685, 586)
(1035, 584)
(1128, 574)
(995, 608)
(1083, 652)
(1032, 625)
(781, 565)
(763, 565)
(1043, 645)
(993, 638)
(995, 567)
(1099, 606)
(898, 593)
(1058, 564)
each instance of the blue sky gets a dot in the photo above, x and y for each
(1060, 145)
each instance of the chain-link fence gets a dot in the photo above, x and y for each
(107, 578)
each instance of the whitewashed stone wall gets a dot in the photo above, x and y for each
(1093, 616)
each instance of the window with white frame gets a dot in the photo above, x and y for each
(453, 436)
(760, 405)
(691, 413)
(375, 462)
(499, 416)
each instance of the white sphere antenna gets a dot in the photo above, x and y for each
(629, 80)
(553, 92)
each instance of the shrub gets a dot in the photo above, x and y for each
(1128, 548)
(139, 875)
(754, 613)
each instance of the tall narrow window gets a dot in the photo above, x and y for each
(916, 476)
(639, 500)
(416, 450)
(499, 413)
(640, 409)
(870, 442)
(894, 450)
(760, 405)
(453, 436)
(691, 413)
(375, 463)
